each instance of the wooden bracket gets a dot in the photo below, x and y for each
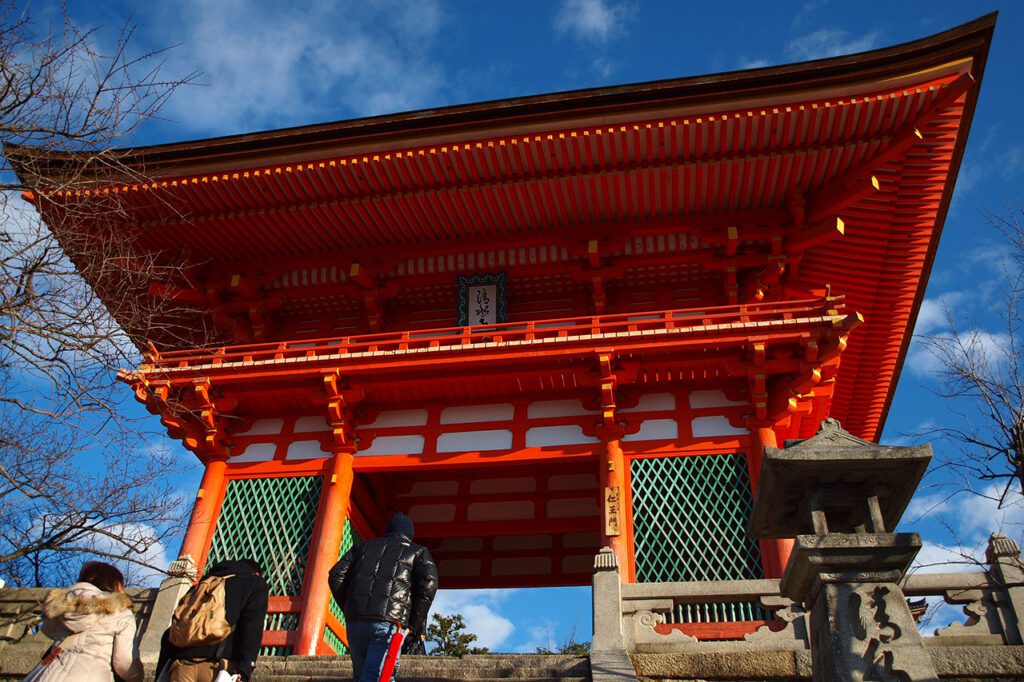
(340, 401)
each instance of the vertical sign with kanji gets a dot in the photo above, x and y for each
(612, 510)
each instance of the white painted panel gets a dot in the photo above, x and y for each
(312, 424)
(459, 568)
(651, 402)
(557, 408)
(580, 563)
(432, 513)
(394, 445)
(574, 540)
(521, 566)
(500, 511)
(716, 425)
(523, 542)
(306, 449)
(264, 427)
(469, 414)
(256, 452)
(573, 482)
(489, 486)
(567, 434)
(473, 441)
(390, 418)
(435, 488)
(711, 398)
(572, 509)
(655, 429)
(461, 545)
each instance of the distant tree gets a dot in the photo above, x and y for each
(446, 633)
(75, 476)
(569, 647)
(986, 372)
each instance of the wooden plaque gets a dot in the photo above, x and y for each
(612, 510)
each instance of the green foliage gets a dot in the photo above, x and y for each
(569, 647)
(446, 633)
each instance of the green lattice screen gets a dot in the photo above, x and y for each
(689, 519)
(349, 537)
(270, 520)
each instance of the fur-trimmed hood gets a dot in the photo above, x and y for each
(82, 604)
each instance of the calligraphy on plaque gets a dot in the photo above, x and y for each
(612, 510)
(482, 300)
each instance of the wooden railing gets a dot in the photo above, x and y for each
(511, 333)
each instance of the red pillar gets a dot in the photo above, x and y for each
(326, 544)
(775, 552)
(613, 475)
(203, 521)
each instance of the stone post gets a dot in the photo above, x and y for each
(607, 602)
(609, 661)
(181, 575)
(840, 495)
(1003, 557)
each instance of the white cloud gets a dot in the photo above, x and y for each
(539, 634)
(968, 177)
(932, 315)
(976, 515)
(267, 65)
(806, 11)
(992, 349)
(591, 20)
(478, 609)
(829, 42)
(755, 63)
(938, 558)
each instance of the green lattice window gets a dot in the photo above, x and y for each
(689, 519)
(718, 612)
(349, 538)
(270, 520)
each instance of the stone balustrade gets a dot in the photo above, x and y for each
(990, 597)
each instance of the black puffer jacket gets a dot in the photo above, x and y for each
(389, 578)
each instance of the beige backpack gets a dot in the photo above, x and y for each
(199, 619)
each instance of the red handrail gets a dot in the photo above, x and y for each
(504, 333)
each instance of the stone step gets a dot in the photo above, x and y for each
(483, 668)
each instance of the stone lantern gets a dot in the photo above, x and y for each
(840, 497)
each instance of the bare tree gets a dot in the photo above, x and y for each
(76, 475)
(983, 372)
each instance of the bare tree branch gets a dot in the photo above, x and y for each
(76, 474)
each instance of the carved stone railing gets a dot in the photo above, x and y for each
(648, 614)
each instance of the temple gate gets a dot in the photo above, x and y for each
(542, 326)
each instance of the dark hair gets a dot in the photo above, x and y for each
(254, 565)
(103, 576)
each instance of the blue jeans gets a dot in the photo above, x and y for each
(368, 642)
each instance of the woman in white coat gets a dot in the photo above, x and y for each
(93, 630)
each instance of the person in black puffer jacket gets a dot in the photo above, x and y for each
(382, 585)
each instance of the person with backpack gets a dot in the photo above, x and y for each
(217, 626)
(93, 630)
(385, 586)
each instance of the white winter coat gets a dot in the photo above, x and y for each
(96, 632)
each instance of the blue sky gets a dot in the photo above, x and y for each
(277, 64)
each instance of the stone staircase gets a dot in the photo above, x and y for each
(520, 667)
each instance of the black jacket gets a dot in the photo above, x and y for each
(389, 578)
(245, 607)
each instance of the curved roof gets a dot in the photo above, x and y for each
(844, 165)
